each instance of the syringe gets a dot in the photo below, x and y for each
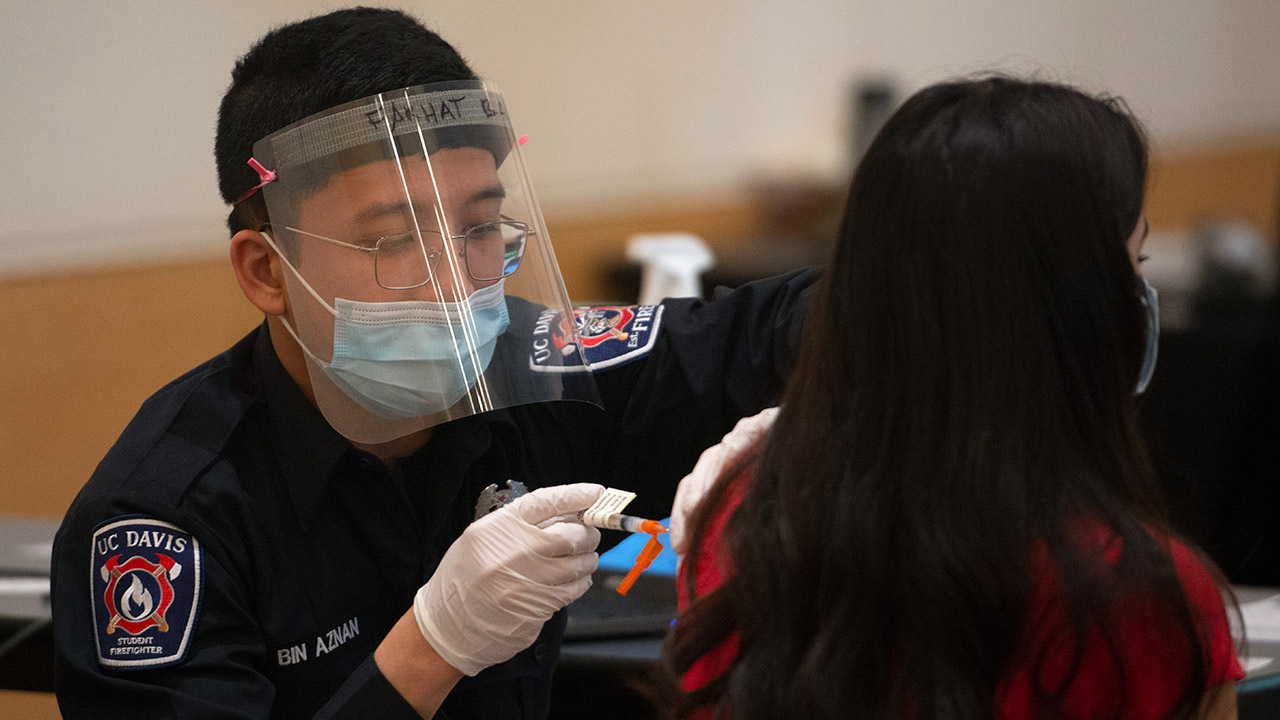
(626, 523)
(631, 524)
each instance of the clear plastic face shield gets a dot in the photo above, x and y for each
(418, 264)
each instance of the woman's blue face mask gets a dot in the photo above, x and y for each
(1151, 302)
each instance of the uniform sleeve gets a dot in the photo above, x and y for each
(712, 363)
(217, 673)
(368, 693)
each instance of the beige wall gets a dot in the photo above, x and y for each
(109, 106)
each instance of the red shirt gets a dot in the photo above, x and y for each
(1153, 649)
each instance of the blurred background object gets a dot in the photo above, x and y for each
(874, 100)
(671, 265)
(1213, 408)
(1235, 269)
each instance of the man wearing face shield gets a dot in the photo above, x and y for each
(289, 530)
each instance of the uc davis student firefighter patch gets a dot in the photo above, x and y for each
(605, 336)
(146, 583)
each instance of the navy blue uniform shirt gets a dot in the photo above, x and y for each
(233, 556)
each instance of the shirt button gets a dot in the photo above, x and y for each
(540, 652)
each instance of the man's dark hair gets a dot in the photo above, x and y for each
(304, 68)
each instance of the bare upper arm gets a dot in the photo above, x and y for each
(1220, 703)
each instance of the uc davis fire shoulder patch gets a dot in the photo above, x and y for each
(145, 579)
(606, 336)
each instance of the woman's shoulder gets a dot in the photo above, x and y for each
(1132, 656)
(749, 433)
(1134, 579)
(1200, 579)
(1196, 573)
(712, 555)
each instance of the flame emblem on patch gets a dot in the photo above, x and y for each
(134, 609)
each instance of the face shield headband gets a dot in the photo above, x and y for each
(418, 260)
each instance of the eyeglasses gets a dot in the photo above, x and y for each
(490, 251)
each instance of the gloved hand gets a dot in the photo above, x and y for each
(748, 433)
(505, 576)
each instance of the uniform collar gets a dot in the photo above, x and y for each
(309, 449)
(435, 476)
(306, 446)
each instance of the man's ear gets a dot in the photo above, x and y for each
(259, 271)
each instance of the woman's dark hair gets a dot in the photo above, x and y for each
(963, 396)
(306, 67)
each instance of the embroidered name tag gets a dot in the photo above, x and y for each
(145, 583)
(325, 643)
(607, 336)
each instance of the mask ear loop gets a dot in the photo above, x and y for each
(314, 294)
(271, 241)
(264, 175)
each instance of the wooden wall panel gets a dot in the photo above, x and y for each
(1202, 183)
(28, 705)
(79, 352)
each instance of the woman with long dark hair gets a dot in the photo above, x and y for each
(953, 514)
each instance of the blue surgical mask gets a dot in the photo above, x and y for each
(410, 358)
(414, 358)
(1151, 302)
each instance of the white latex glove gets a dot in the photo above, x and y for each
(748, 433)
(505, 576)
